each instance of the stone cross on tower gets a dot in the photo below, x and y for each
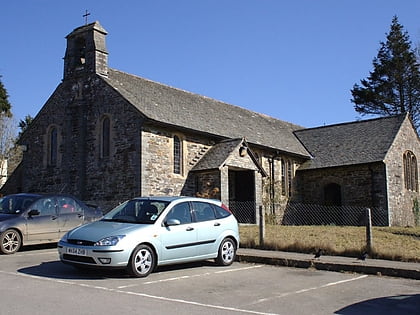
(86, 16)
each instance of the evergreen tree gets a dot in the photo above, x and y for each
(4, 100)
(393, 87)
(24, 123)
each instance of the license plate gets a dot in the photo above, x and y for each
(76, 251)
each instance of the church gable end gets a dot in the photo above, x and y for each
(402, 174)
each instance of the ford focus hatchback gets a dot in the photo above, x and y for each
(146, 232)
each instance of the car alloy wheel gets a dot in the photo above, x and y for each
(142, 261)
(227, 252)
(10, 242)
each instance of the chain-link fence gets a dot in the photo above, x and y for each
(307, 214)
(345, 230)
(244, 211)
(310, 214)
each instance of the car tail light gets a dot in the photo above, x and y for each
(226, 208)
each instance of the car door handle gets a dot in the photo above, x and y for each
(216, 224)
(53, 217)
(190, 228)
(80, 215)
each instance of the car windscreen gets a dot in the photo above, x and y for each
(142, 211)
(15, 204)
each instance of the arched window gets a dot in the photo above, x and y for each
(289, 178)
(286, 178)
(177, 155)
(81, 47)
(410, 171)
(283, 177)
(52, 146)
(105, 137)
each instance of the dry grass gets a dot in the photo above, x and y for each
(390, 243)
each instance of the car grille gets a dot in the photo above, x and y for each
(80, 242)
(83, 259)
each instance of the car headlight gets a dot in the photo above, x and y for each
(110, 240)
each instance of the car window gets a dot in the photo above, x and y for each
(203, 211)
(180, 212)
(137, 211)
(15, 204)
(45, 206)
(220, 212)
(68, 205)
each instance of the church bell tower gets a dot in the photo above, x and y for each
(86, 52)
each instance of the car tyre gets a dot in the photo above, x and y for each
(10, 242)
(227, 252)
(142, 261)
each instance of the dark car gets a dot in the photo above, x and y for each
(28, 219)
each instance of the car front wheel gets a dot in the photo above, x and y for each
(227, 252)
(142, 261)
(10, 242)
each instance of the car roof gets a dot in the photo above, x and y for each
(23, 195)
(174, 198)
(41, 195)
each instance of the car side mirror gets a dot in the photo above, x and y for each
(33, 212)
(171, 222)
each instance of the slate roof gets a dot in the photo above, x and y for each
(217, 155)
(177, 107)
(352, 143)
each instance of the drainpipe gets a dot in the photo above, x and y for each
(272, 190)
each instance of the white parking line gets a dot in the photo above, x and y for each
(162, 298)
(239, 269)
(309, 289)
(187, 277)
(34, 253)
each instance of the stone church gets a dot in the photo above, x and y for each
(106, 136)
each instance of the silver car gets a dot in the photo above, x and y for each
(27, 219)
(146, 232)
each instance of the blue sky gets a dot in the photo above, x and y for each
(294, 60)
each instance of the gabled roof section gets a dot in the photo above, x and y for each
(219, 154)
(352, 143)
(177, 107)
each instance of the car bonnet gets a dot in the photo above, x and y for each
(99, 229)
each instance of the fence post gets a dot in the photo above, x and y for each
(261, 225)
(369, 244)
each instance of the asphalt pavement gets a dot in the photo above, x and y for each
(378, 267)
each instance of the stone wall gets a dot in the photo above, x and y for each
(400, 199)
(272, 186)
(361, 185)
(157, 171)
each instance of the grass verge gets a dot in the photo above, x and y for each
(392, 243)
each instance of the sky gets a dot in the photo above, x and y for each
(293, 60)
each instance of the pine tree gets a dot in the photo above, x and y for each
(4, 100)
(24, 124)
(393, 87)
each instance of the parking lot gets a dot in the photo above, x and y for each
(33, 281)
